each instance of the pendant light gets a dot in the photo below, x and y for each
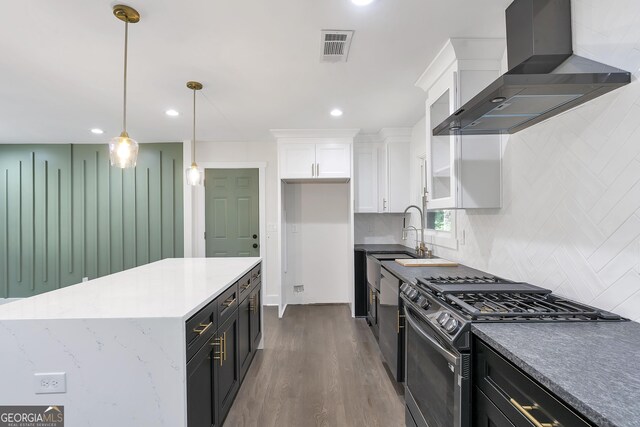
(123, 150)
(195, 175)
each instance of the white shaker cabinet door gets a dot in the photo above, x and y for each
(297, 160)
(365, 162)
(333, 160)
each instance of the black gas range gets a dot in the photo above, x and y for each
(439, 312)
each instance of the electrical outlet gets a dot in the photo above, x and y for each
(298, 288)
(85, 279)
(53, 382)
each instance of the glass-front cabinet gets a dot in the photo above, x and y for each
(441, 153)
(462, 172)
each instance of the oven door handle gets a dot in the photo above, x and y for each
(451, 358)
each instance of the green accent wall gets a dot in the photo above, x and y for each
(65, 213)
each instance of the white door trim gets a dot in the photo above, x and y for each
(199, 208)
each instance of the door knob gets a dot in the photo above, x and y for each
(255, 245)
(255, 236)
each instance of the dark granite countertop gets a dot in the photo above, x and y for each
(594, 367)
(383, 248)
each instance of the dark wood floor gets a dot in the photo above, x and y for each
(319, 367)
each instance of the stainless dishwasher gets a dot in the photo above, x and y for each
(373, 285)
(391, 324)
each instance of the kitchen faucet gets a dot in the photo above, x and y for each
(421, 248)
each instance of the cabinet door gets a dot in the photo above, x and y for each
(365, 162)
(398, 176)
(441, 164)
(333, 160)
(201, 403)
(227, 371)
(372, 312)
(485, 413)
(389, 323)
(297, 160)
(245, 344)
(256, 317)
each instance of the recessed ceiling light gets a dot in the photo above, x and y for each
(361, 2)
(97, 131)
(172, 113)
(336, 112)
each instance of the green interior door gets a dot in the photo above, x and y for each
(231, 212)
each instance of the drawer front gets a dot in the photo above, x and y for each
(522, 400)
(486, 414)
(245, 284)
(227, 303)
(256, 274)
(200, 327)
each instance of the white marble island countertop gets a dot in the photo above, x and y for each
(119, 341)
(171, 288)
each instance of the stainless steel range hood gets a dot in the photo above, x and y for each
(544, 77)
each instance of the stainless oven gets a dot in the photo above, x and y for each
(437, 376)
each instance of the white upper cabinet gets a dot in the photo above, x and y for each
(462, 172)
(365, 177)
(309, 155)
(297, 160)
(333, 160)
(382, 172)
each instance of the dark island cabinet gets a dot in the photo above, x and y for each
(256, 318)
(244, 339)
(201, 408)
(250, 324)
(227, 370)
(219, 356)
(505, 396)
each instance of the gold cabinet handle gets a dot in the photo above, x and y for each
(228, 303)
(399, 325)
(224, 346)
(253, 304)
(204, 328)
(524, 410)
(220, 354)
(246, 286)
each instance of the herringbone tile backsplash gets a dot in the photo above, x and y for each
(571, 213)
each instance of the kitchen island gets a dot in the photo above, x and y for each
(120, 341)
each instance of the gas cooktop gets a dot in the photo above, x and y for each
(510, 306)
(477, 284)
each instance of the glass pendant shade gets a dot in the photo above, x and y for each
(194, 175)
(123, 151)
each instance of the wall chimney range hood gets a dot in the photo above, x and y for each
(544, 77)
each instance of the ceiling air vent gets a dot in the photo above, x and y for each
(335, 45)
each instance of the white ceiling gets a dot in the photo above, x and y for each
(61, 65)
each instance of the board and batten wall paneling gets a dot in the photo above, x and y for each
(35, 249)
(66, 214)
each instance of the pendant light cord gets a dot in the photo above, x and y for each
(194, 126)
(124, 109)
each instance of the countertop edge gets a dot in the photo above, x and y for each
(216, 294)
(581, 407)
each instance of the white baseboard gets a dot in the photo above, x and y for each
(7, 300)
(282, 310)
(271, 300)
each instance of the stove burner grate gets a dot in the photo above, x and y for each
(523, 306)
(464, 280)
